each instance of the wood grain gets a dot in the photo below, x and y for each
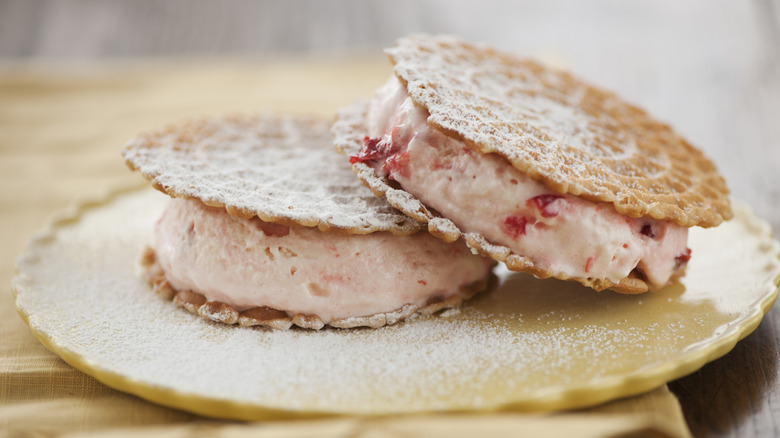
(737, 395)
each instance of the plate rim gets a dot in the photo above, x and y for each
(554, 398)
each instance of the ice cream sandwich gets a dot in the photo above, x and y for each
(531, 166)
(268, 226)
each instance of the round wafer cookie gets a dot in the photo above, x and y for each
(282, 170)
(573, 137)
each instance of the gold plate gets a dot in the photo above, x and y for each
(532, 345)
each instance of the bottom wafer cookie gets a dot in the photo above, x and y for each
(633, 284)
(198, 304)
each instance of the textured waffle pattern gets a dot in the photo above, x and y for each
(280, 169)
(349, 130)
(571, 136)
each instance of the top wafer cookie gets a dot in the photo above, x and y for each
(571, 136)
(279, 169)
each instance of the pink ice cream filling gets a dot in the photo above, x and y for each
(485, 194)
(300, 270)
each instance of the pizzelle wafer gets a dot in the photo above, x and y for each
(571, 136)
(269, 227)
(573, 149)
(274, 168)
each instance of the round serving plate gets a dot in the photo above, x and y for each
(531, 345)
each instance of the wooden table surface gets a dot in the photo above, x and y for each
(709, 68)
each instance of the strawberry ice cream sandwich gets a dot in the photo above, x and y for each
(268, 226)
(531, 167)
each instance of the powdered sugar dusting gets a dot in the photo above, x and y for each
(277, 168)
(530, 342)
(571, 136)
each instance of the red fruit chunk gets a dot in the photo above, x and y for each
(647, 230)
(369, 152)
(544, 203)
(682, 259)
(514, 226)
(589, 263)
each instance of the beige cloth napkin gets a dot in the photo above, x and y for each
(61, 130)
